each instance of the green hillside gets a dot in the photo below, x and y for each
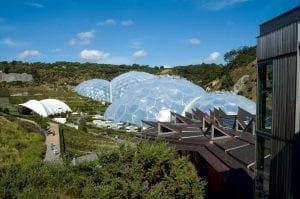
(239, 62)
(20, 142)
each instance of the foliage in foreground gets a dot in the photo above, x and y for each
(19, 142)
(78, 142)
(129, 171)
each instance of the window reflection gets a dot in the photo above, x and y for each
(262, 176)
(265, 86)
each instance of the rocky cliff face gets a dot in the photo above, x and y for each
(240, 84)
(12, 77)
(244, 78)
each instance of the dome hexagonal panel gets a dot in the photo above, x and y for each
(124, 82)
(145, 101)
(227, 101)
(97, 89)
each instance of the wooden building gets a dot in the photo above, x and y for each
(278, 108)
(221, 155)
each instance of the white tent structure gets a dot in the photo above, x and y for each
(47, 107)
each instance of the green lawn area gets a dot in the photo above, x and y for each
(19, 143)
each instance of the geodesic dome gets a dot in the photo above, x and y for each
(97, 89)
(227, 101)
(137, 96)
(145, 101)
(123, 83)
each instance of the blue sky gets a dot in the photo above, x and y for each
(150, 32)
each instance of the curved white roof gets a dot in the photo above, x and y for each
(47, 107)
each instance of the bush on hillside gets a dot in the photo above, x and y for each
(130, 171)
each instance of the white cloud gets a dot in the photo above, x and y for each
(127, 23)
(110, 22)
(213, 57)
(136, 43)
(86, 37)
(9, 42)
(57, 50)
(93, 55)
(28, 53)
(72, 42)
(194, 41)
(83, 38)
(34, 4)
(220, 4)
(139, 54)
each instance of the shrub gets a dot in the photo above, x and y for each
(130, 171)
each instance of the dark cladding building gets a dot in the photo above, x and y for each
(278, 108)
(220, 146)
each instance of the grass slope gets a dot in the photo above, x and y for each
(79, 142)
(19, 143)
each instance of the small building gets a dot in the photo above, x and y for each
(278, 108)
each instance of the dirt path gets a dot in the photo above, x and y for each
(52, 143)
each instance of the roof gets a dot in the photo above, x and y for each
(234, 150)
(280, 21)
(47, 107)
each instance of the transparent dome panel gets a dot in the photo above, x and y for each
(96, 89)
(227, 101)
(123, 83)
(145, 100)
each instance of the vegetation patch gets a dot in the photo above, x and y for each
(129, 171)
(19, 143)
(4, 92)
(79, 142)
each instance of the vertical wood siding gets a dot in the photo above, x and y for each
(280, 47)
(281, 170)
(279, 42)
(284, 97)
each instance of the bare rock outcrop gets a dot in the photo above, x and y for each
(239, 85)
(12, 77)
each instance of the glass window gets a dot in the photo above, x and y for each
(265, 86)
(262, 176)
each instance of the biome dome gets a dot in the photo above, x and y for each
(227, 101)
(103, 90)
(144, 101)
(123, 83)
(97, 89)
(138, 96)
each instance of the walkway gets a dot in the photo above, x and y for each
(52, 143)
